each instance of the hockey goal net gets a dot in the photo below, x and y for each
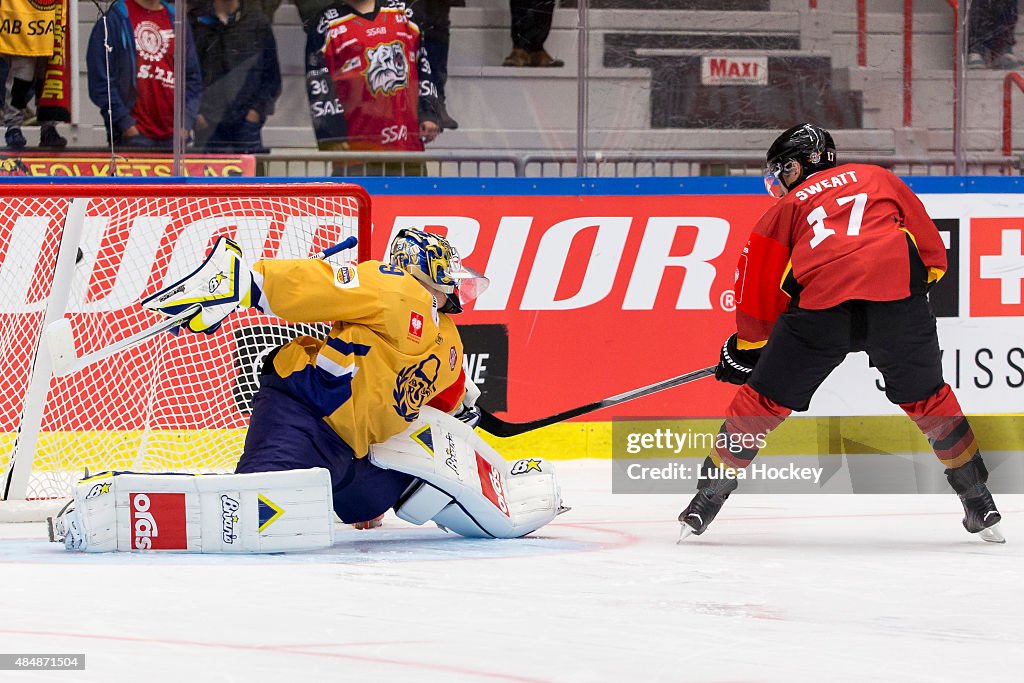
(90, 253)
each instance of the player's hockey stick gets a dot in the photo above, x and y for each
(498, 427)
(61, 342)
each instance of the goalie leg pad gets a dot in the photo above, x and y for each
(465, 485)
(220, 513)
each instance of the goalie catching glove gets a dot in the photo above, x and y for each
(222, 284)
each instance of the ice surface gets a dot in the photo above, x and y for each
(781, 588)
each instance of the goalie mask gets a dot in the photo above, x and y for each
(807, 147)
(433, 261)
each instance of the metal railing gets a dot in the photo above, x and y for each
(597, 165)
(349, 164)
(1012, 79)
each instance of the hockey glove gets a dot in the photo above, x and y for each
(220, 285)
(735, 366)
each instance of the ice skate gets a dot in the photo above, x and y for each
(980, 513)
(375, 523)
(712, 493)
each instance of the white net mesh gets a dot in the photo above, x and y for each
(175, 402)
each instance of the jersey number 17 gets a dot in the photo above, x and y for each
(817, 218)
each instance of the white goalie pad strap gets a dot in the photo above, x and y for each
(218, 513)
(472, 393)
(466, 486)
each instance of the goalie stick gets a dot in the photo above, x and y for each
(498, 427)
(61, 342)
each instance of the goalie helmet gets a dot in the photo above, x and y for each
(432, 260)
(808, 145)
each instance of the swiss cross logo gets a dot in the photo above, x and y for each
(491, 485)
(997, 266)
(415, 325)
(158, 521)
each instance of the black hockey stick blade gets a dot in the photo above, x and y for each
(498, 427)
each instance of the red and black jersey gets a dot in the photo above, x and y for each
(367, 78)
(852, 232)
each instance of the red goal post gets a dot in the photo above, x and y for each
(90, 252)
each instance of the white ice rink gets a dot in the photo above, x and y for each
(781, 588)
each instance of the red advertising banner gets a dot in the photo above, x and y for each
(598, 295)
(589, 297)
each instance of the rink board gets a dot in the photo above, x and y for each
(599, 286)
(116, 450)
(604, 286)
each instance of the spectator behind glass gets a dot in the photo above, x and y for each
(990, 34)
(531, 24)
(267, 7)
(141, 83)
(368, 80)
(310, 11)
(434, 19)
(241, 75)
(25, 52)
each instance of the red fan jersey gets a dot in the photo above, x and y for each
(851, 232)
(367, 79)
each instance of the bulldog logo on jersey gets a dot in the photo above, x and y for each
(414, 385)
(387, 69)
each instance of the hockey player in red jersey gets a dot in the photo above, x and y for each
(368, 79)
(840, 264)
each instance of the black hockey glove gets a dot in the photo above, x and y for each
(734, 365)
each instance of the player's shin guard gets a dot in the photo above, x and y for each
(713, 488)
(980, 513)
(750, 417)
(941, 420)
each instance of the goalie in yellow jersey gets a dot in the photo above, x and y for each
(391, 350)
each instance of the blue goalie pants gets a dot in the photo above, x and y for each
(286, 434)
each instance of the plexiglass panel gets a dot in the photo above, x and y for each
(494, 87)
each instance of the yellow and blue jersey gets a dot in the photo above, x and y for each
(389, 350)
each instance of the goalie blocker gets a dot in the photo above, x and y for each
(462, 484)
